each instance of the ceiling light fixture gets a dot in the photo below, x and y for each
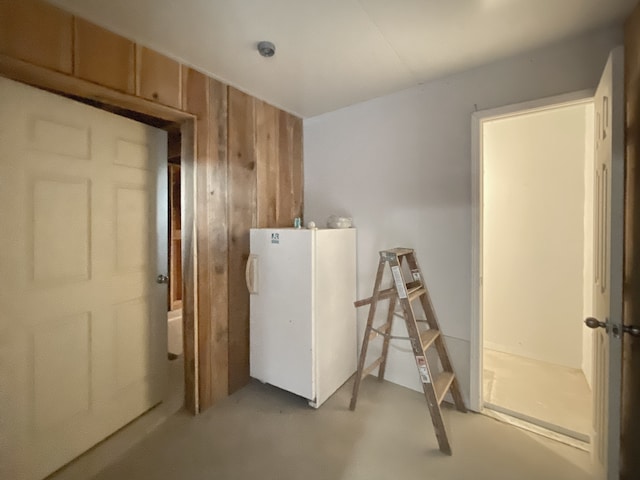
(266, 49)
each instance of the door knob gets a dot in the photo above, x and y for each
(162, 279)
(595, 323)
(633, 331)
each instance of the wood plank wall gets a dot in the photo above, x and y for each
(242, 217)
(264, 177)
(248, 165)
(630, 435)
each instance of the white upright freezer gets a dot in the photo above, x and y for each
(303, 321)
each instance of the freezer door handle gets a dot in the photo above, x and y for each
(251, 274)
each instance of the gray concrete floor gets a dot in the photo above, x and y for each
(262, 432)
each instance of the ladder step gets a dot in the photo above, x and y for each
(371, 367)
(400, 251)
(441, 384)
(427, 337)
(415, 293)
(381, 329)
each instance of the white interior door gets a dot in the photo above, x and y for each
(82, 319)
(608, 248)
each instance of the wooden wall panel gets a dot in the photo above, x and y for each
(217, 240)
(103, 57)
(267, 164)
(208, 98)
(242, 217)
(297, 167)
(159, 78)
(630, 435)
(198, 103)
(190, 280)
(285, 174)
(279, 169)
(37, 33)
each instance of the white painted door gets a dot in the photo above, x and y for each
(82, 319)
(608, 248)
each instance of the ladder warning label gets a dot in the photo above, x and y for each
(421, 362)
(397, 278)
(275, 238)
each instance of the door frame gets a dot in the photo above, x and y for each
(476, 402)
(129, 105)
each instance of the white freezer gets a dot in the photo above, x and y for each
(302, 321)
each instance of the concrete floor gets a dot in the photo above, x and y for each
(556, 395)
(263, 432)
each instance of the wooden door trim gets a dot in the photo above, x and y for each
(57, 82)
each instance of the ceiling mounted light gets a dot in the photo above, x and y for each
(266, 49)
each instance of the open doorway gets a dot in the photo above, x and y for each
(174, 298)
(175, 330)
(536, 264)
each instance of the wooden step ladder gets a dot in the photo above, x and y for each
(435, 385)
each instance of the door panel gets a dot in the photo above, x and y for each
(61, 217)
(82, 320)
(607, 286)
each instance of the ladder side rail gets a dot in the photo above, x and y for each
(440, 344)
(426, 376)
(387, 337)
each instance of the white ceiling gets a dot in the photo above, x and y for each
(333, 53)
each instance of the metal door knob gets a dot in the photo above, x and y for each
(633, 331)
(162, 279)
(595, 323)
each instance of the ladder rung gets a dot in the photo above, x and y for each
(379, 330)
(427, 337)
(371, 367)
(441, 384)
(415, 293)
(414, 284)
(400, 251)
